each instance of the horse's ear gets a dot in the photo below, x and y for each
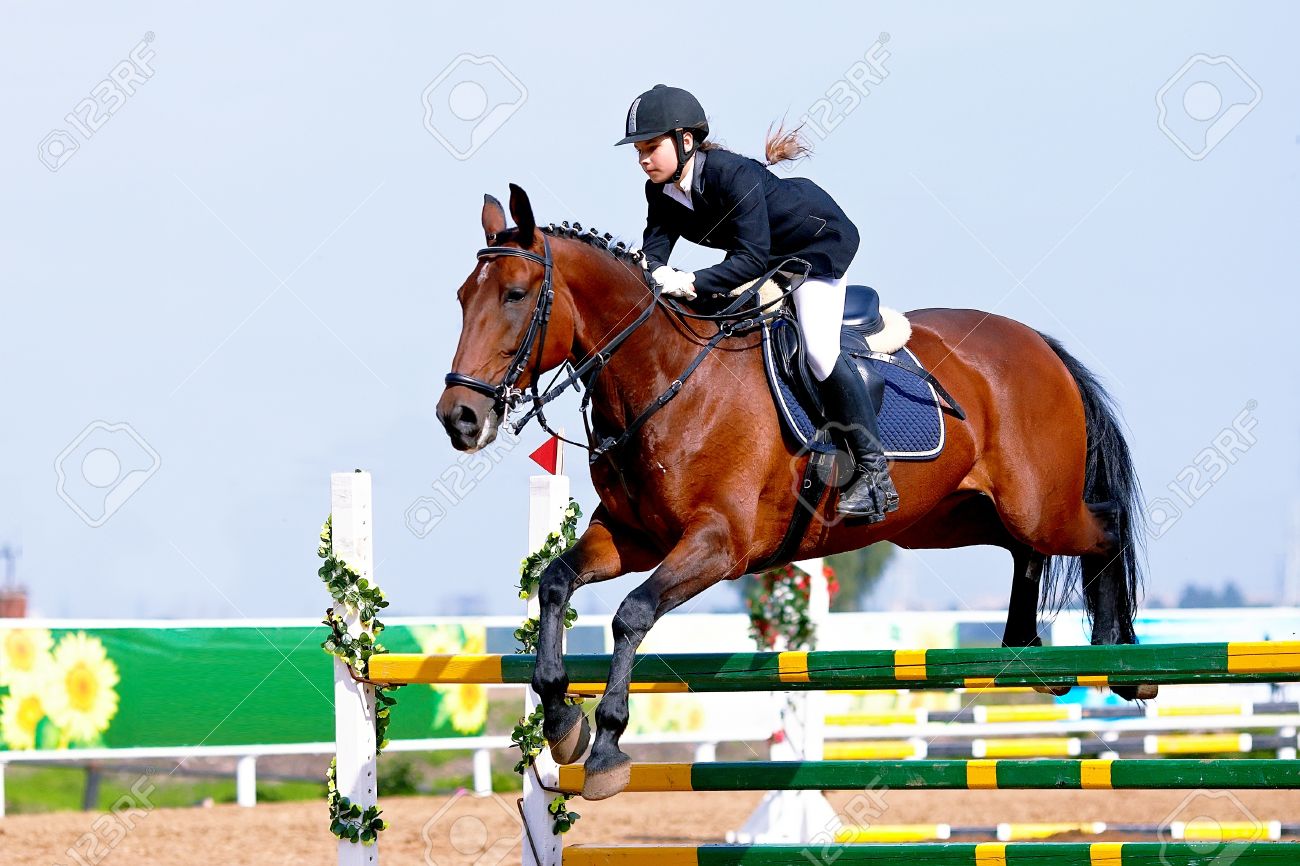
(522, 211)
(494, 217)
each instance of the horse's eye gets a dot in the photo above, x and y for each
(517, 294)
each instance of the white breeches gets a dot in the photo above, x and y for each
(819, 305)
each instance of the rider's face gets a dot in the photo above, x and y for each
(658, 156)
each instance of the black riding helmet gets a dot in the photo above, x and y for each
(665, 110)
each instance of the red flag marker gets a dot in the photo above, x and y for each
(547, 455)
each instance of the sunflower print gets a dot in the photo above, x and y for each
(20, 712)
(465, 706)
(23, 652)
(80, 695)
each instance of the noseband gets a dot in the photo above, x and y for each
(505, 396)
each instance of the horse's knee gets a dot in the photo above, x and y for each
(635, 616)
(553, 589)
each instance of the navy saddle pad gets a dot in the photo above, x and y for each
(911, 416)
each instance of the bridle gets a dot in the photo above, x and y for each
(505, 396)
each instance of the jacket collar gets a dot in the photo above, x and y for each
(697, 177)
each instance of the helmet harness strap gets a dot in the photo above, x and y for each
(682, 155)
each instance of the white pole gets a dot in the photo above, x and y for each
(796, 816)
(814, 703)
(354, 703)
(246, 781)
(482, 772)
(548, 496)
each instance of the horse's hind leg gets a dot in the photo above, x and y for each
(1110, 599)
(700, 559)
(597, 555)
(1022, 610)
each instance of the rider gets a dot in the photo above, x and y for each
(707, 194)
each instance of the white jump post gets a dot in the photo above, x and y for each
(354, 703)
(548, 496)
(246, 781)
(796, 816)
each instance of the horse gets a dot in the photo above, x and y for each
(702, 491)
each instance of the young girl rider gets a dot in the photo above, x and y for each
(720, 199)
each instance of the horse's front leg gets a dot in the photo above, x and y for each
(702, 558)
(598, 555)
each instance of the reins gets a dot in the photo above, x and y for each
(505, 396)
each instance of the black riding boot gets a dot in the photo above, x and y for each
(854, 403)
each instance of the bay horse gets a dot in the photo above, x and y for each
(702, 492)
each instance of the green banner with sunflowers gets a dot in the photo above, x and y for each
(69, 688)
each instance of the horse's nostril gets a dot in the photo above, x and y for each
(465, 418)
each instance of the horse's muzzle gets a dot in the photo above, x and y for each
(469, 428)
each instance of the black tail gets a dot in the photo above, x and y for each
(1111, 482)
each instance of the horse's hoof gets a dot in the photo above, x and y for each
(1143, 692)
(1055, 691)
(570, 748)
(598, 784)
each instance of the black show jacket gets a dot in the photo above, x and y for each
(756, 216)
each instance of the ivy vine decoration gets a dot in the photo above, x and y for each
(530, 574)
(562, 819)
(778, 607)
(351, 591)
(527, 734)
(347, 819)
(528, 739)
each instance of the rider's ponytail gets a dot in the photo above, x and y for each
(782, 145)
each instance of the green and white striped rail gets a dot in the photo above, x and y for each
(984, 714)
(918, 747)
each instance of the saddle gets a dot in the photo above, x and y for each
(910, 414)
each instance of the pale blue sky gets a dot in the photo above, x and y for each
(142, 280)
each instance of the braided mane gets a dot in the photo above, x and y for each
(592, 237)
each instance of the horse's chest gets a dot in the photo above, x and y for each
(631, 498)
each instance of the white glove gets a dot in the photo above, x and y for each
(676, 284)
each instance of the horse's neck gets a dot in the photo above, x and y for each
(607, 298)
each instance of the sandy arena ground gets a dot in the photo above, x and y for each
(430, 830)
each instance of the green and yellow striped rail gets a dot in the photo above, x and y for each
(1160, 664)
(1206, 830)
(948, 854)
(953, 775)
